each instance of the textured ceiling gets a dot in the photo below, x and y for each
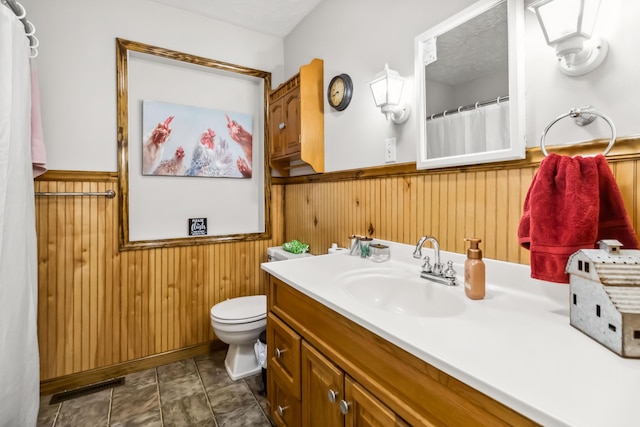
(471, 50)
(275, 17)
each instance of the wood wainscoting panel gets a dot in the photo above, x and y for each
(484, 202)
(99, 307)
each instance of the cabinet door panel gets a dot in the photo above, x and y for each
(285, 408)
(283, 355)
(291, 108)
(276, 129)
(319, 376)
(367, 411)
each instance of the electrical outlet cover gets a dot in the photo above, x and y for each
(390, 150)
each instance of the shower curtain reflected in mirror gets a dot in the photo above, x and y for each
(19, 360)
(473, 131)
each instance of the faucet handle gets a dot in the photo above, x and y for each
(426, 266)
(449, 273)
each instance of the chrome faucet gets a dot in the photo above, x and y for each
(436, 272)
(417, 254)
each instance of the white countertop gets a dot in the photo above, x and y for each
(516, 345)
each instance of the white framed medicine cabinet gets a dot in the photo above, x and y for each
(470, 87)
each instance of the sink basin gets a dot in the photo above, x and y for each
(401, 291)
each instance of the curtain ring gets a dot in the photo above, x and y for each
(460, 109)
(35, 41)
(432, 116)
(23, 13)
(33, 28)
(34, 53)
(498, 100)
(476, 105)
(444, 113)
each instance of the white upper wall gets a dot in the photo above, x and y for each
(77, 66)
(357, 37)
(77, 70)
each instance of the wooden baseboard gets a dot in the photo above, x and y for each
(69, 382)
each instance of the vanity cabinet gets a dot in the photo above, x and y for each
(313, 351)
(296, 121)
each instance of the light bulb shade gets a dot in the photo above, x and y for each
(387, 87)
(564, 19)
(568, 27)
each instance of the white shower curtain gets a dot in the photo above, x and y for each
(472, 131)
(19, 359)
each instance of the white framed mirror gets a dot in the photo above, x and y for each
(470, 87)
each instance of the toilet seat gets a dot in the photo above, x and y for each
(240, 310)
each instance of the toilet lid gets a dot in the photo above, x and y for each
(240, 310)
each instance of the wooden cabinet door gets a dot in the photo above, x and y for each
(277, 128)
(285, 409)
(283, 355)
(319, 378)
(364, 410)
(291, 108)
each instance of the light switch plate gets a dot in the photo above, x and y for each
(389, 150)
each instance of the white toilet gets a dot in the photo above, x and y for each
(239, 321)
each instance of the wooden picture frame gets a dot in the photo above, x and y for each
(208, 195)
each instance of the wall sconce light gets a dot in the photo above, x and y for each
(387, 91)
(568, 26)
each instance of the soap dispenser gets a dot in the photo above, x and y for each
(474, 272)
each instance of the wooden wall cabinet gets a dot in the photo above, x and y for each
(325, 370)
(296, 121)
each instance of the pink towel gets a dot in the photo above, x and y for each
(572, 204)
(38, 151)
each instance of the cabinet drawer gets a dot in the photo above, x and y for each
(285, 408)
(283, 355)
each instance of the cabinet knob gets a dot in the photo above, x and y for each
(281, 410)
(279, 352)
(344, 407)
(282, 125)
(332, 395)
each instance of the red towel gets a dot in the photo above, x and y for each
(572, 204)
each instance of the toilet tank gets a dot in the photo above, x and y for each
(276, 253)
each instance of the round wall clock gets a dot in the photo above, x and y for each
(340, 91)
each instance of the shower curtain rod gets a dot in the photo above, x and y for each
(29, 28)
(109, 194)
(469, 107)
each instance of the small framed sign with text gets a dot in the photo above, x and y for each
(197, 226)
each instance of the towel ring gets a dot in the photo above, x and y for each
(582, 116)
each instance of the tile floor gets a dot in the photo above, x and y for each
(192, 392)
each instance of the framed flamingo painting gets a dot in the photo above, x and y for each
(192, 143)
(185, 140)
